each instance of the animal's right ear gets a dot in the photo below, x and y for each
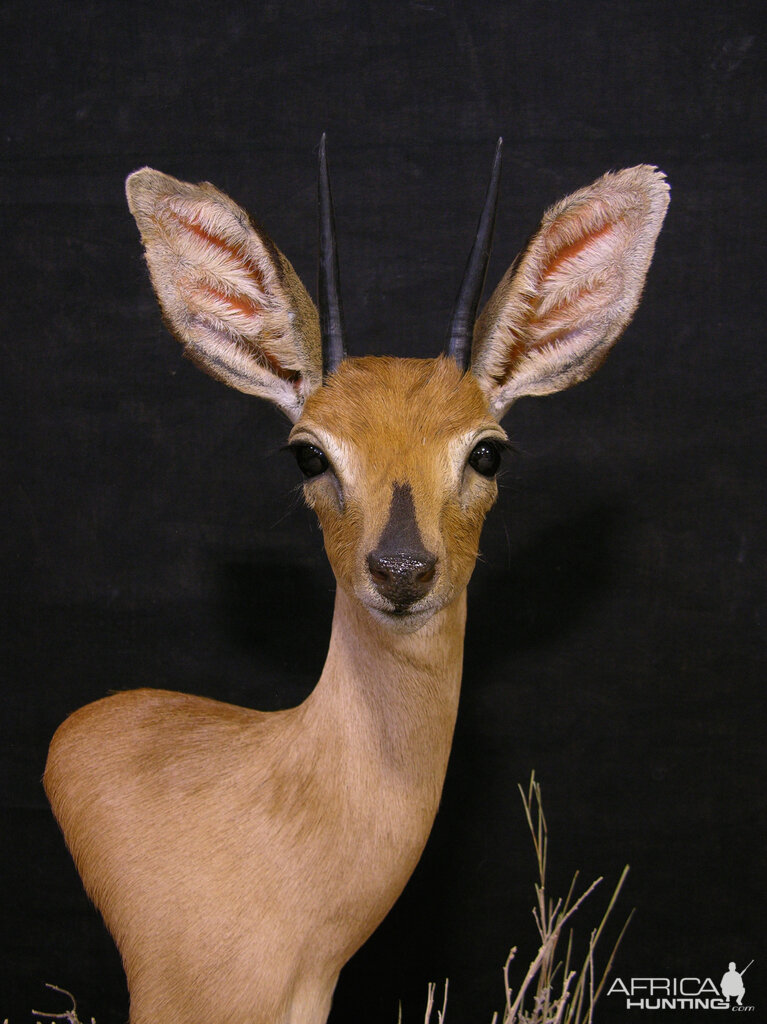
(227, 292)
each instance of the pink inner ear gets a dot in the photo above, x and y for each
(243, 304)
(561, 256)
(557, 324)
(238, 303)
(233, 251)
(194, 226)
(576, 293)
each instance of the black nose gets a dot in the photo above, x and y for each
(403, 578)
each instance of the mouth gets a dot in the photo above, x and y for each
(402, 620)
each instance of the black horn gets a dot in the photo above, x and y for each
(329, 287)
(465, 313)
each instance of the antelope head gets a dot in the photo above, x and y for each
(399, 455)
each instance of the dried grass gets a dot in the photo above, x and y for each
(553, 991)
(70, 1015)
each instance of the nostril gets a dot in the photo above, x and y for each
(428, 573)
(379, 572)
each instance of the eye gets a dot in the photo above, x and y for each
(311, 461)
(485, 458)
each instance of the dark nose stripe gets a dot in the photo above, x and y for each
(401, 568)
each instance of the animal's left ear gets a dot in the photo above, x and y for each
(564, 302)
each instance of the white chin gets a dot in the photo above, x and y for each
(402, 622)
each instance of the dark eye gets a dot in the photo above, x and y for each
(486, 458)
(311, 461)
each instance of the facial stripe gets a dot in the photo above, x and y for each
(401, 531)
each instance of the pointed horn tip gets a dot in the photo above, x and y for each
(330, 307)
(464, 314)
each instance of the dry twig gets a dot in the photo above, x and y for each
(70, 1016)
(551, 992)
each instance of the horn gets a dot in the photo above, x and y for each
(329, 286)
(465, 312)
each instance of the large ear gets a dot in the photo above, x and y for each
(563, 303)
(227, 292)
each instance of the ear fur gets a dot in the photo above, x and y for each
(564, 302)
(227, 292)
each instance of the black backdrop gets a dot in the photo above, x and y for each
(154, 534)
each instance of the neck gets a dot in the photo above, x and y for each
(393, 695)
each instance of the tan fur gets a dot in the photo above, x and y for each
(240, 858)
(407, 421)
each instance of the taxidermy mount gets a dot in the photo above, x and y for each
(239, 858)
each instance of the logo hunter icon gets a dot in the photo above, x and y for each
(732, 983)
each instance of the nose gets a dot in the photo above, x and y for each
(402, 578)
